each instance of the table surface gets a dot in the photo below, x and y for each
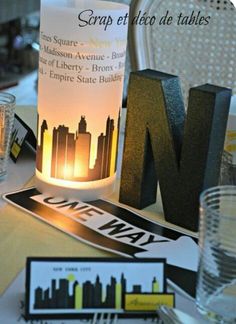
(22, 235)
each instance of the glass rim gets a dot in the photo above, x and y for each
(11, 99)
(210, 193)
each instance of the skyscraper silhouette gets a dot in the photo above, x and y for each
(82, 125)
(2, 129)
(88, 293)
(97, 172)
(97, 293)
(123, 289)
(155, 285)
(104, 149)
(47, 297)
(63, 153)
(39, 156)
(117, 140)
(39, 301)
(54, 294)
(82, 150)
(63, 294)
(77, 295)
(108, 147)
(110, 294)
(137, 289)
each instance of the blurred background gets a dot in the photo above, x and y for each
(197, 56)
(19, 36)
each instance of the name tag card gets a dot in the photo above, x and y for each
(69, 288)
(21, 133)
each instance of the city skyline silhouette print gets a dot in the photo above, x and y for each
(89, 294)
(79, 287)
(80, 155)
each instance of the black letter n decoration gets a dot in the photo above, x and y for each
(183, 154)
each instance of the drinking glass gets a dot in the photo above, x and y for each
(216, 285)
(7, 105)
(228, 166)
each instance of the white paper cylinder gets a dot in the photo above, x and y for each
(81, 71)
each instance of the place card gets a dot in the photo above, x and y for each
(20, 134)
(80, 287)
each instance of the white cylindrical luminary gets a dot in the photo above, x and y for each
(81, 71)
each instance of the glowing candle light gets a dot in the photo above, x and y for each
(81, 69)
